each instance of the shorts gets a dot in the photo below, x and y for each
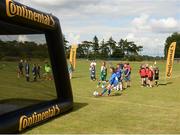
(150, 78)
(119, 79)
(143, 77)
(103, 78)
(114, 84)
(127, 78)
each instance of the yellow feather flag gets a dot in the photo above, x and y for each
(72, 58)
(170, 60)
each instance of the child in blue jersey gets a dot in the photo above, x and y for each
(103, 75)
(113, 82)
(119, 72)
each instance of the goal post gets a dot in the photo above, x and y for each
(17, 19)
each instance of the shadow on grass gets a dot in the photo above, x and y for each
(77, 77)
(112, 95)
(76, 107)
(13, 104)
(167, 83)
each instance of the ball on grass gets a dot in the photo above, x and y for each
(95, 93)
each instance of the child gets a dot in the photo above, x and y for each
(119, 76)
(47, 69)
(113, 82)
(103, 75)
(150, 76)
(129, 75)
(142, 73)
(147, 72)
(27, 70)
(39, 71)
(127, 78)
(34, 71)
(20, 68)
(70, 70)
(156, 76)
(93, 71)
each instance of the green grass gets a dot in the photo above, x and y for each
(137, 110)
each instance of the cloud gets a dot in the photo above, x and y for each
(167, 25)
(141, 22)
(146, 22)
(152, 44)
(22, 38)
(161, 25)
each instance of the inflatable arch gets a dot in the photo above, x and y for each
(16, 19)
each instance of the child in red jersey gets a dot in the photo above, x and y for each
(147, 72)
(142, 73)
(150, 76)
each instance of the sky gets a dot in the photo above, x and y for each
(146, 22)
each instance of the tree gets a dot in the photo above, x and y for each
(66, 46)
(134, 49)
(95, 46)
(83, 50)
(104, 50)
(175, 37)
(111, 43)
(129, 48)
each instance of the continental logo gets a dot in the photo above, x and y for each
(170, 64)
(170, 60)
(12, 9)
(27, 121)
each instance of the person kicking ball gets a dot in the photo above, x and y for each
(113, 82)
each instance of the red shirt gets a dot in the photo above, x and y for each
(142, 72)
(147, 71)
(150, 74)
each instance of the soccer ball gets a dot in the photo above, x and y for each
(95, 93)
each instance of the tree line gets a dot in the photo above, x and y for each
(94, 49)
(110, 49)
(175, 37)
(13, 50)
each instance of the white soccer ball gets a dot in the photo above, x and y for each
(95, 93)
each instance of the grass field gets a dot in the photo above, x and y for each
(136, 110)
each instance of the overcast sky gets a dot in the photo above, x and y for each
(147, 22)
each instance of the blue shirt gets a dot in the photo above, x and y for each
(118, 73)
(113, 80)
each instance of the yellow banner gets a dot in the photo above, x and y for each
(72, 58)
(170, 60)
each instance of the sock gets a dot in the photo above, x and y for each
(99, 83)
(109, 92)
(104, 91)
(121, 88)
